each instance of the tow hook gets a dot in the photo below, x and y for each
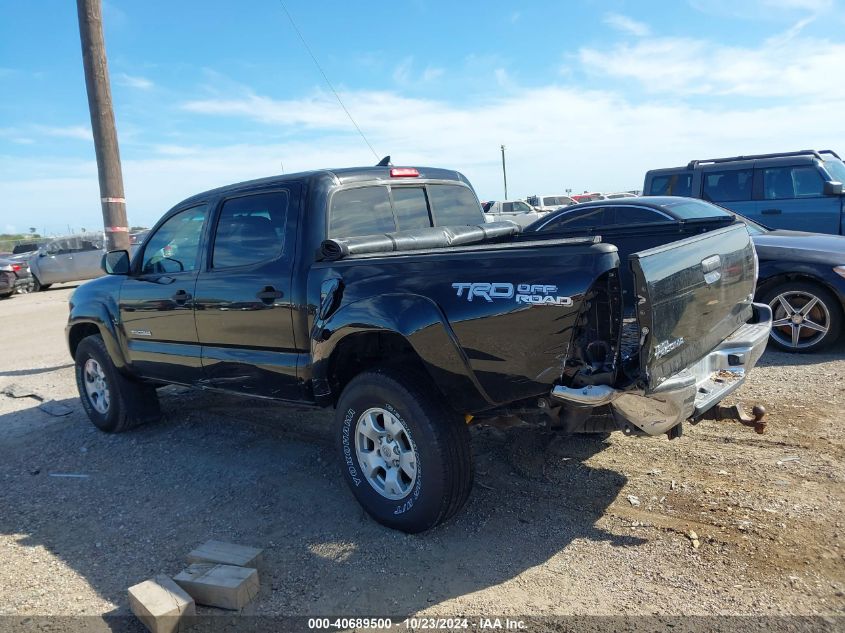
(735, 412)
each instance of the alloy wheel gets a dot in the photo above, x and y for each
(386, 453)
(800, 319)
(96, 385)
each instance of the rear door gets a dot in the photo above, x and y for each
(243, 296)
(691, 295)
(730, 187)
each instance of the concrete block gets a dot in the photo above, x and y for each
(160, 604)
(224, 586)
(226, 554)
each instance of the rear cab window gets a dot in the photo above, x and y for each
(376, 209)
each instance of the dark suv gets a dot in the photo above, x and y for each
(790, 190)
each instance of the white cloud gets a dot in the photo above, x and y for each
(762, 9)
(626, 25)
(404, 74)
(134, 81)
(561, 137)
(783, 66)
(79, 132)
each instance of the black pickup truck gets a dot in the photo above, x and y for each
(382, 292)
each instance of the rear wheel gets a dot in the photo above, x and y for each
(405, 455)
(113, 402)
(805, 316)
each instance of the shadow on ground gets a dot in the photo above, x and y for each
(773, 357)
(258, 474)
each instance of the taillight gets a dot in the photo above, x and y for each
(404, 172)
(16, 267)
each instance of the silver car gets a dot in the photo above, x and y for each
(70, 258)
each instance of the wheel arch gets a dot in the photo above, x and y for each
(79, 328)
(407, 329)
(776, 278)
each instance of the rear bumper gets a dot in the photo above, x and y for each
(689, 393)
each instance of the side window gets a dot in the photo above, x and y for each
(507, 207)
(251, 229)
(727, 186)
(411, 207)
(672, 185)
(782, 183)
(578, 219)
(633, 215)
(174, 247)
(454, 205)
(361, 211)
(521, 207)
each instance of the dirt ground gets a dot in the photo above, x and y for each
(554, 525)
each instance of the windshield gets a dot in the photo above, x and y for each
(836, 169)
(689, 209)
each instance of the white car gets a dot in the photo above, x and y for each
(517, 211)
(621, 194)
(549, 202)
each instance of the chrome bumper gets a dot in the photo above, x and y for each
(690, 392)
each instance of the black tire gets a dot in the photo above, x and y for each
(437, 435)
(828, 309)
(37, 286)
(129, 402)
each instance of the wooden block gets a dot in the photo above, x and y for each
(224, 586)
(160, 604)
(226, 554)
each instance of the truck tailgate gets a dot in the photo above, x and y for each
(691, 294)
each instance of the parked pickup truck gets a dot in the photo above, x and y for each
(382, 292)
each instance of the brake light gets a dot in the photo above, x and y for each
(404, 172)
(16, 267)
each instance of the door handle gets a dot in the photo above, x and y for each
(269, 294)
(181, 297)
(771, 211)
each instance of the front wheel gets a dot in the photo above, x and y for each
(405, 455)
(37, 286)
(805, 316)
(113, 402)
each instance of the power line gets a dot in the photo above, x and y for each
(328, 83)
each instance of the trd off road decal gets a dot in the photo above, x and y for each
(537, 294)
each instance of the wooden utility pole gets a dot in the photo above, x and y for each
(102, 123)
(504, 172)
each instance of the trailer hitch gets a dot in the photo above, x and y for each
(735, 412)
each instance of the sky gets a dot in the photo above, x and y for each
(585, 95)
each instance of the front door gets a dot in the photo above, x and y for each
(243, 296)
(157, 300)
(793, 198)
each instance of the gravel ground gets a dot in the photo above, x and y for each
(554, 525)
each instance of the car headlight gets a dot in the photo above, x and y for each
(839, 270)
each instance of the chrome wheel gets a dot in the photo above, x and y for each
(96, 386)
(386, 453)
(799, 319)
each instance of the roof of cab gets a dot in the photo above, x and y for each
(338, 177)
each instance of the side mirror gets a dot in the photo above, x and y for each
(115, 263)
(832, 188)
